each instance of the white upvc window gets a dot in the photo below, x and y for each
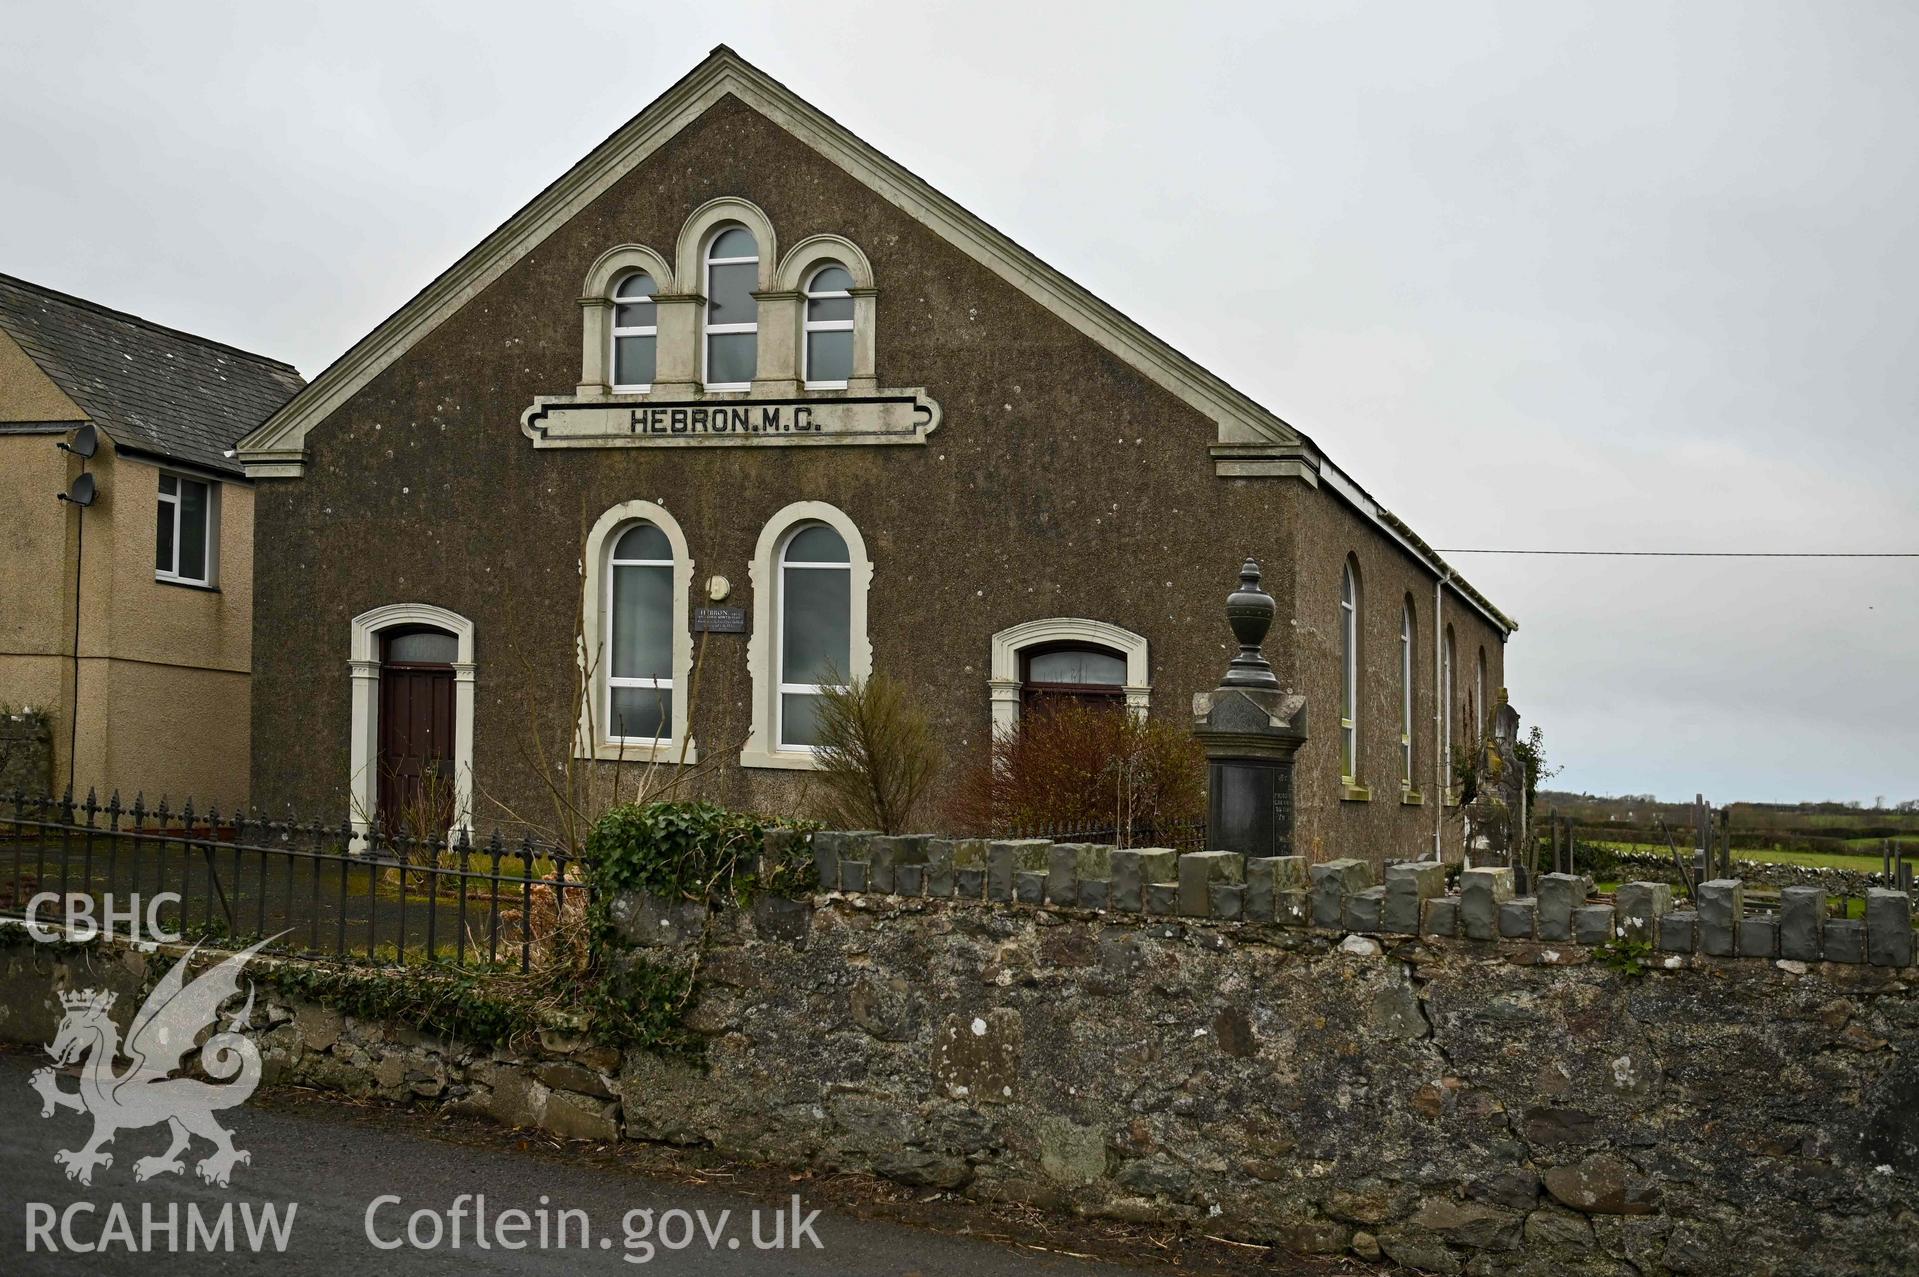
(815, 627)
(634, 356)
(1406, 697)
(731, 348)
(1349, 674)
(640, 621)
(186, 532)
(828, 336)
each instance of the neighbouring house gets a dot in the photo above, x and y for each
(738, 407)
(146, 684)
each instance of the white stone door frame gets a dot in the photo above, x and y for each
(363, 787)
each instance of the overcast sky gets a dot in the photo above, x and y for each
(1630, 276)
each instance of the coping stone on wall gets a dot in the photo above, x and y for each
(1266, 877)
(969, 883)
(1006, 857)
(1409, 885)
(1332, 880)
(1133, 868)
(886, 852)
(1678, 931)
(1802, 911)
(1559, 894)
(1062, 874)
(1844, 940)
(1759, 936)
(1888, 927)
(944, 859)
(1518, 918)
(1481, 891)
(1442, 917)
(826, 857)
(1228, 899)
(1162, 899)
(1361, 910)
(1639, 906)
(1721, 902)
(1198, 871)
(1593, 924)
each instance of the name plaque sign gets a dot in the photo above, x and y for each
(880, 417)
(719, 620)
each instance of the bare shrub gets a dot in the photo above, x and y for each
(1070, 767)
(878, 754)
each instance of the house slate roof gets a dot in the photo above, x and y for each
(154, 390)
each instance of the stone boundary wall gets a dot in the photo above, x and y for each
(1773, 873)
(1485, 1106)
(1342, 895)
(560, 1082)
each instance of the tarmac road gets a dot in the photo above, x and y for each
(324, 1166)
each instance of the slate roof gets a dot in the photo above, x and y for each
(154, 390)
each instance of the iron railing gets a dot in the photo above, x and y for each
(1183, 835)
(320, 890)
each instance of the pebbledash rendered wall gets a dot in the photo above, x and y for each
(1144, 1036)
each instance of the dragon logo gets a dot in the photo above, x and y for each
(158, 1041)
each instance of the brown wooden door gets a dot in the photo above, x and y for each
(416, 747)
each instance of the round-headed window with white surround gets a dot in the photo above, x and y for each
(815, 629)
(639, 678)
(829, 327)
(732, 314)
(635, 333)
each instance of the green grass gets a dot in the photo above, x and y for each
(1811, 859)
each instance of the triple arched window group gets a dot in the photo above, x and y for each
(809, 578)
(731, 314)
(1352, 673)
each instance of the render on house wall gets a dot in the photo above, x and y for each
(163, 670)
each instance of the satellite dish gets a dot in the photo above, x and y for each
(81, 493)
(85, 442)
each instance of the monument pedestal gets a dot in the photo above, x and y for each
(1250, 728)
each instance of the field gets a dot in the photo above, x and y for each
(1861, 863)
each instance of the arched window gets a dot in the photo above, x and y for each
(815, 628)
(1066, 656)
(639, 650)
(1349, 673)
(810, 575)
(1480, 723)
(829, 328)
(732, 314)
(1406, 649)
(636, 649)
(635, 333)
(1448, 706)
(1075, 673)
